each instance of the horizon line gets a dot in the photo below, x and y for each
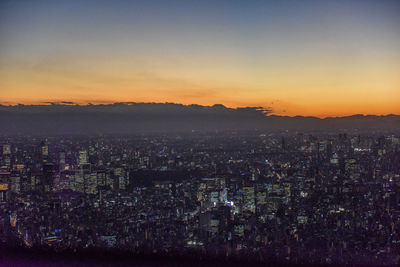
(267, 110)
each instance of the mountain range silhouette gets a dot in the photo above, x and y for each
(130, 117)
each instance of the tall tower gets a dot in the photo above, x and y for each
(44, 150)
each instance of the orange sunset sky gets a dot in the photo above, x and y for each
(312, 58)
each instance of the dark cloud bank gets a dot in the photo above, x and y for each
(125, 118)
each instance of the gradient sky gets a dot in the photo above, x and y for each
(318, 58)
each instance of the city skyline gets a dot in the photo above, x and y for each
(231, 198)
(199, 132)
(313, 59)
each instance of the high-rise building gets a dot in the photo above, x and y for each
(82, 177)
(249, 199)
(83, 157)
(44, 148)
(101, 178)
(15, 186)
(4, 181)
(90, 183)
(6, 149)
(62, 161)
(46, 181)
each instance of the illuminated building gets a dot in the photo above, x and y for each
(248, 199)
(44, 150)
(4, 184)
(6, 149)
(15, 185)
(83, 157)
(91, 184)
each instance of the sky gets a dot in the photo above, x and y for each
(312, 58)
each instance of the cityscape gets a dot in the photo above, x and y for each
(199, 133)
(291, 198)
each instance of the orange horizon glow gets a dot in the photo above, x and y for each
(307, 59)
(338, 89)
(306, 111)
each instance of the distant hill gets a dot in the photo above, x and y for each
(124, 118)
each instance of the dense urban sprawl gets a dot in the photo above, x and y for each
(287, 197)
